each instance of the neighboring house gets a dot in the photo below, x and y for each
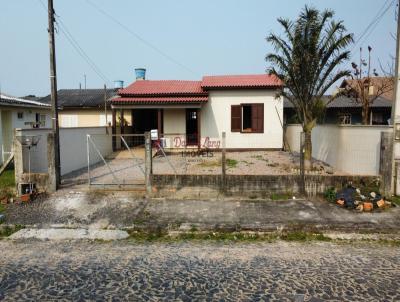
(195, 113)
(345, 110)
(82, 107)
(19, 113)
(379, 86)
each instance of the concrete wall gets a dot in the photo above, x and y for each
(69, 118)
(216, 118)
(38, 153)
(73, 147)
(352, 149)
(42, 160)
(261, 185)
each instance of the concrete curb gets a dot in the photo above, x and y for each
(69, 234)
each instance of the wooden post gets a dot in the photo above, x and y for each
(148, 163)
(198, 129)
(159, 122)
(114, 130)
(223, 162)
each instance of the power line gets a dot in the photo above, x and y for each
(77, 47)
(150, 45)
(80, 51)
(377, 22)
(373, 24)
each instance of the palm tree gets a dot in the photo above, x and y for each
(307, 60)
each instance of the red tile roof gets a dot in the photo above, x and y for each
(161, 100)
(241, 81)
(172, 91)
(171, 87)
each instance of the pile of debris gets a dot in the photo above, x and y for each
(353, 198)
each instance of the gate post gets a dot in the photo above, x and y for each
(303, 190)
(385, 162)
(223, 163)
(148, 162)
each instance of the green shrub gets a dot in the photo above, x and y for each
(330, 194)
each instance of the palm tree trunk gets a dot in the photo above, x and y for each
(307, 150)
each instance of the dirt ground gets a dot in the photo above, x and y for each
(124, 209)
(128, 167)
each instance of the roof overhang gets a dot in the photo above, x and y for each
(161, 106)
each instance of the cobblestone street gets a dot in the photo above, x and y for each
(198, 271)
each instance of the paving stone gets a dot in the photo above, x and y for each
(206, 271)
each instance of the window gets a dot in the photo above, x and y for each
(344, 119)
(20, 115)
(247, 118)
(42, 120)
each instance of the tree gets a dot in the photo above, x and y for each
(307, 60)
(366, 89)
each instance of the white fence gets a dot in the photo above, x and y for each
(73, 148)
(352, 149)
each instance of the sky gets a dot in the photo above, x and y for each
(172, 39)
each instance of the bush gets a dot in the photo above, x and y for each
(330, 194)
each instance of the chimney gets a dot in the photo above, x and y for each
(140, 74)
(118, 84)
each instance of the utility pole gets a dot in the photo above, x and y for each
(105, 104)
(396, 113)
(54, 103)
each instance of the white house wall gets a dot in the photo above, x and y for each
(84, 118)
(174, 127)
(7, 133)
(216, 118)
(10, 121)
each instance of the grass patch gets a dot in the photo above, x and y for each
(7, 185)
(7, 179)
(8, 230)
(395, 200)
(162, 236)
(231, 163)
(2, 208)
(303, 236)
(210, 164)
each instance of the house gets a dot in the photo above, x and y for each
(378, 86)
(195, 113)
(83, 107)
(19, 113)
(346, 111)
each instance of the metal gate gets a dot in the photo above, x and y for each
(121, 166)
